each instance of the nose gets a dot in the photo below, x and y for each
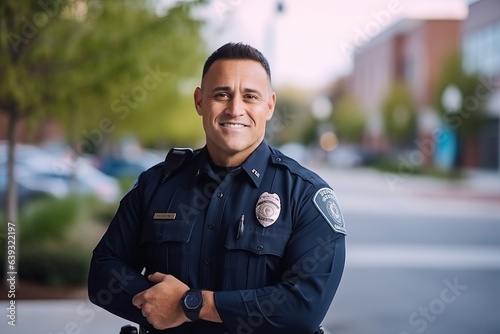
(235, 107)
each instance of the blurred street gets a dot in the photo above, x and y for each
(406, 86)
(423, 257)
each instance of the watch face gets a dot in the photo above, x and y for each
(192, 300)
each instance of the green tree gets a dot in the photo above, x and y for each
(399, 115)
(291, 113)
(468, 116)
(349, 119)
(102, 68)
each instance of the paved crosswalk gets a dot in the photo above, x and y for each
(423, 256)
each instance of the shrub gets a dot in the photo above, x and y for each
(47, 219)
(54, 266)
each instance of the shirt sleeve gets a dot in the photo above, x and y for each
(115, 270)
(313, 266)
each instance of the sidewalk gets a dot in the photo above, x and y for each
(486, 184)
(476, 184)
(370, 190)
(60, 316)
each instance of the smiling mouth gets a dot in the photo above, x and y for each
(233, 125)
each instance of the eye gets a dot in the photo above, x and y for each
(251, 97)
(222, 96)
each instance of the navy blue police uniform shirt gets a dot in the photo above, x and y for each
(276, 270)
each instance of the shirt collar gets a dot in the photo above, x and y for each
(257, 162)
(254, 167)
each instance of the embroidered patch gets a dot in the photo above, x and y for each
(268, 209)
(326, 203)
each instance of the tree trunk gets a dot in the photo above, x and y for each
(11, 204)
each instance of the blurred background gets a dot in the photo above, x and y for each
(396, 103)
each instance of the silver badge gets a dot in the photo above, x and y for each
(268, 209)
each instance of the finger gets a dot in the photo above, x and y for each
(138, 300)
(156, 277)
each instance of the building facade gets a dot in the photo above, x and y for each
(481, 55)
(413, 52)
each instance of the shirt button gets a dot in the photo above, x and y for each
(207, 260)
(220, 195)
(211, 226)
(260, 247)
(278, 159)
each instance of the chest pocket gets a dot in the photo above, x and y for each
(167, 230)
(164, 240)
(253, 260)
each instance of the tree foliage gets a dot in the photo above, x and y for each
(399, 114)
(349, 119)
(291, 113)
(101, 68)
(469, 115)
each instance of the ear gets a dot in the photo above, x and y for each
(271, 104)
(198, 97)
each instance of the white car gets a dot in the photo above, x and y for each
(59, 175)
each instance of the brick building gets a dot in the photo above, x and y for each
(414, 51)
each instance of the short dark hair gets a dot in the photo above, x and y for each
(236, 51)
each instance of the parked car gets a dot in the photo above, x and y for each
(123, 167)
(57, 175)
(296, 151)
(345, 156)
(25, 193)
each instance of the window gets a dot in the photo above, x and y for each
(481, 51)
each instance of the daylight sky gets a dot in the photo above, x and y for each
(310, 43)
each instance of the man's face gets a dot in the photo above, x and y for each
(235, 101)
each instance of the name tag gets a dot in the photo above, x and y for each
(164, 215)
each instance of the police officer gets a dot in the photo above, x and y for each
(239, 239)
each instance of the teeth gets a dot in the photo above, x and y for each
(232, 125)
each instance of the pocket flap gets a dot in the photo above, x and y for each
(260, 240)
(167, 230)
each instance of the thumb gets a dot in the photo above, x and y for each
(156, 277)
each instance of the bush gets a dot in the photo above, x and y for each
(47, 219)
(392, 165)
(54, 267)
(48, 253)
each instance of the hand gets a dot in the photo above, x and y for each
(160, 304)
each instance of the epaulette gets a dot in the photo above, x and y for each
(174, 160)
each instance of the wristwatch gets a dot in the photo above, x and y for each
(192, 302)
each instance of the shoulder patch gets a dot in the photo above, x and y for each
(326, 203)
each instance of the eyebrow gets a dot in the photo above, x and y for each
(227, 89)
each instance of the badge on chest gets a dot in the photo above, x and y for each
(268, 209)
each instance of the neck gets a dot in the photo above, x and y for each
(229, 160)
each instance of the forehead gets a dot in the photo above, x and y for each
(225, 71)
